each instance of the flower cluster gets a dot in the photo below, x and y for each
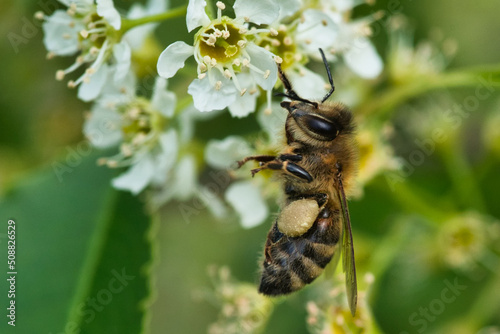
(236, 51)
(243, 309)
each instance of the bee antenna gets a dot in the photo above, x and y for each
(290, 93)
(332, 89)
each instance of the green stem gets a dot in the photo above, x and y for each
(461, 175)
(412, 200)
(170, 14)
(396, 95)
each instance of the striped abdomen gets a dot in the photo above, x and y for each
(292, 262)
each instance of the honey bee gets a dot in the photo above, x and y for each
(316, 166)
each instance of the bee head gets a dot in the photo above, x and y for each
(320, 121)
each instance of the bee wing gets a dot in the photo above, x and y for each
(348, 252)
(332, 266)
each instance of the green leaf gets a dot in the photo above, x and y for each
(82, 253)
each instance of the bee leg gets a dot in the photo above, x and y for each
(290, 157)
(321, 198)
(286, 166)
(259, 158)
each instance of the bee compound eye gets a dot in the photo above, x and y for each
(320, 126)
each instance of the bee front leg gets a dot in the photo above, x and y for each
(259, 158)
(286, 166)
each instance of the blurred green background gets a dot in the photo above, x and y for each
(41, 122)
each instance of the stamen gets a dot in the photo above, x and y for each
(227, 74)
(220, 5)
(202, 75)
(267, 73)
(287, 40)
(225, 34)
(126, 150)
(241, 43)
(211, 40)
(243, 91)
(218, 85)
(84, 33)
(39, 15)
(243, 30)
(60, 75)
(275, 42)
(237, 62)
(273, 32)
(202, 67)
(112, 163)
(101, 161)
(278, 59)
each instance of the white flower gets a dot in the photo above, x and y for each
(136, 36)
(327, 26)
(223, 154)
(92, 29)
(245, 197)
(139, 127)
(230, 65)
(352, 40)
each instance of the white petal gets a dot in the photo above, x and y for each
(163, 100)
(106, 9)
(120, 92)
(246, 199)
(288, 7)
(61, 33)
(172, 59)
(196, 15)
(243, 105)
(274, 122)
(137, 177)
(156, 6)
(258, 11)
(136, 36)
(122, 54)
(207, 98)
(264, 61)
(246, 103)
(363, 59)
(103, 128)
(307, 83)
(223, 154)
(184, 184)
(89, 91)
(167, 156)
(316, 30)
(212, 201)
